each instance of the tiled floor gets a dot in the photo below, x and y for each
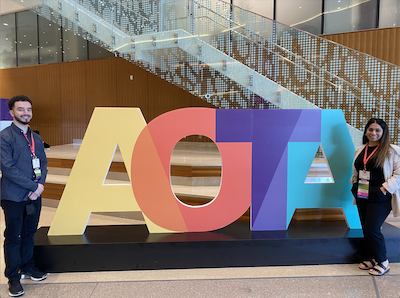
(288, 281)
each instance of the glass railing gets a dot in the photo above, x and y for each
(266, 57)
(327, 75)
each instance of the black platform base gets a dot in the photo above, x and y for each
(132, 247)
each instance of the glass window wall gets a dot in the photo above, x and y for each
(302, 14)
(389, 13)
(97, 52)
(50, 50)
(75, 48)
(27, 38)
(349, 15)
(264, 8)
(8, 52)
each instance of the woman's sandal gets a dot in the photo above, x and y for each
(365, 265)
(379, 269)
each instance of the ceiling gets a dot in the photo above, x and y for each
(9, 6)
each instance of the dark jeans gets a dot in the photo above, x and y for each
(373, 213)
(19, 236)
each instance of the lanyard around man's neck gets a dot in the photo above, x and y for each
(31, 146)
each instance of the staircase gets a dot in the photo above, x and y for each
(236, 59)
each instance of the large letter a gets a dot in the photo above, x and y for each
(85, 192)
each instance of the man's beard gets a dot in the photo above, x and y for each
(22, 121)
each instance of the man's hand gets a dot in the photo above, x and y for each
(39, 190)
(34, 195)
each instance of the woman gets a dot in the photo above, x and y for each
(376, 183)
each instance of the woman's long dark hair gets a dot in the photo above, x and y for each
(384, 142)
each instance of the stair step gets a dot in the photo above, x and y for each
(195, 170)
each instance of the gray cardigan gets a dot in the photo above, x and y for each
(16, 164)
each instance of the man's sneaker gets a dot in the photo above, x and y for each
(15, 289)
(35, 274)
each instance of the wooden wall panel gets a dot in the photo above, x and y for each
(6, 80)
(380, 47)
(380, 43)
(47, 107)
(101, 87)
(131, 93)
(73, 120)
(65, 94)
(22, 80)
(396, 54)
(164, 97)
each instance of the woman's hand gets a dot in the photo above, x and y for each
(383, 190)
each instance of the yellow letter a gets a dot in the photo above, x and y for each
(85, 192)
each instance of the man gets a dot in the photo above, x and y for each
(24, 170)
